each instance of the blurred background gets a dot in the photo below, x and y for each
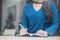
(10, 16)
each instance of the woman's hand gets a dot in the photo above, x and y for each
(23, 32)
(41, 33)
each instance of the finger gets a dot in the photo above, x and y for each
(23, 32)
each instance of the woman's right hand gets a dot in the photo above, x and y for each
(23, 32)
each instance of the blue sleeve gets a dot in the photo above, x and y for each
(24, 19)
(51, 30)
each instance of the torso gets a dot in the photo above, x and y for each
(36, 18)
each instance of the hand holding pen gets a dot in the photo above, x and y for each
(23, 30)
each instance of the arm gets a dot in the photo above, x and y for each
(51, 30)
(24, 20)
(24, 24)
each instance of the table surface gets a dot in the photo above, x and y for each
(28, 38)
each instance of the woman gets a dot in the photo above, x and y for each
(37, 21)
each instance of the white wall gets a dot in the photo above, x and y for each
(8, 3)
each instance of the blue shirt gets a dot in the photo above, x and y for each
(35, 20)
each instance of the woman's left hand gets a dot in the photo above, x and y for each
(41, 33)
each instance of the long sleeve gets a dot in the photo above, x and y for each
(24, 19)
(51, 30)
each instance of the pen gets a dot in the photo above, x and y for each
(22, 27)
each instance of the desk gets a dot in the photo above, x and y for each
(28, 38)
